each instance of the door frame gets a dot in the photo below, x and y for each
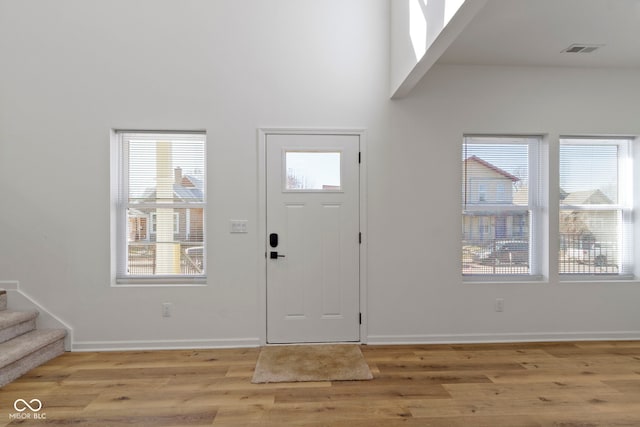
(262, 219)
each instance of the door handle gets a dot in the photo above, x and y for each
(274, 255)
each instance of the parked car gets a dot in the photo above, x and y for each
(504, 252)
(587, 253)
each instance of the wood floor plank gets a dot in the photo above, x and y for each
(176, 417)
(329, 413)
(405, 367)
(581, 393)
(515, 407)
(356, 392)
(626, 386)
(567, 384)
(165, 372)
(562, 375)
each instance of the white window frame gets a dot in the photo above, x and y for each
(176, 223)
(482, 191)
(534, 207)
(120, 204)
(625, 205)
(501, 192)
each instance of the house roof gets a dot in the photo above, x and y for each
(189, 193)
(182, 192)
(563, 194)
(586, 197)
(197, 182)
(486, 164)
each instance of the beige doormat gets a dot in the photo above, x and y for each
(311, 363)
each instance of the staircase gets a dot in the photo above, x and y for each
(22, 346)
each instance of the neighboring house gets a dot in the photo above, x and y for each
(580, 229)
(487, 184)
(188, 222)
(588, 197)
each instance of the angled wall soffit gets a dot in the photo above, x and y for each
(433, 51)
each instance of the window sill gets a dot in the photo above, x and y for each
(510, 279)
(592, 278)
(145, 282)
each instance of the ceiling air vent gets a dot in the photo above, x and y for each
(582, 48)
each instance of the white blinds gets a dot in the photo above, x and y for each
(595, 205)
(498, 183)
(162, 199)
(495, 171)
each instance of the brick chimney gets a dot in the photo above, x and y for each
(178, 175)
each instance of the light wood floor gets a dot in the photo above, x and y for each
(507, 385)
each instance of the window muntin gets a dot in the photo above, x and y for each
(499, 210)
(161, 206)
(595, 208)
(313, 171)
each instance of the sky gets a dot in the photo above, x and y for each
(188, 155)
(315, 168)
(588, 167)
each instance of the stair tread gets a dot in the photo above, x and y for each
(25, 344)
(10, 318)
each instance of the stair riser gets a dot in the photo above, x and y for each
(17, 330)
(31, 361)
(22, 347)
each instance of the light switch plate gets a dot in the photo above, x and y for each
(239, 225)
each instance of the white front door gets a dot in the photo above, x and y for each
(313, 249)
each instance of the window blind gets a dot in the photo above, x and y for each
(595, 200)
(162, 201)
(498, 185)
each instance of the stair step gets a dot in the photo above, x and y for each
(15, 323)
(3, 299)
(27, 351)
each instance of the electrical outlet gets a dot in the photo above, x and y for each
(167, 309)
(499, 306)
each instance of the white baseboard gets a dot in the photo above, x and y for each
(164, 344)
(9, 285)
(503, 337)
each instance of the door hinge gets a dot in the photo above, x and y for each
(359, 157)
(360, 318)
(360, 237)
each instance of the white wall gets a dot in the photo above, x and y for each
(403, 56)
(232, 67)
(416, 291)
(72, 70)
(420, 31)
